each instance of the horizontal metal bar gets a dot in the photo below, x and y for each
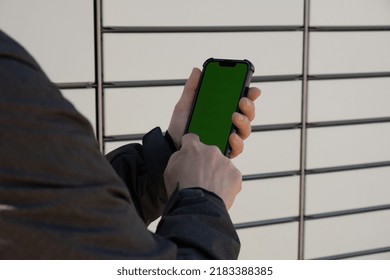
(260, 128)
(256, 79)
(280, 174)
(348, 167)
(76, 85)
(356, 254)
(181, 82)
(146, 83)
(276, 78)
(266, 222)
(279, 127)
(272, 127)
(348, 122)
(311, 217)
(334, 214)
(243, 28)
(270, 175)
(124, 138)
(283, 126)
(346, 28)
(349, 76)
(200, 29)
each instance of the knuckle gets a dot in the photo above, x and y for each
(215, 150)
(236, 173)
(190, 141)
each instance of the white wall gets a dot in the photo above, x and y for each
(60, 36)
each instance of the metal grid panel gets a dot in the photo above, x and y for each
(100, 85)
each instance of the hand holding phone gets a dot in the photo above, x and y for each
(222, 84)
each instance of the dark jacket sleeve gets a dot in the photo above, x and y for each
(198, 223)
(142, 169)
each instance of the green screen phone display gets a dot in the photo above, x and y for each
(222, 85)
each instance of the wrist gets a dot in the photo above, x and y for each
(170, 141)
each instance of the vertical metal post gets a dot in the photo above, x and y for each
(99, 97)
(302, 185)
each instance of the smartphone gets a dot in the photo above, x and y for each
(222, 84)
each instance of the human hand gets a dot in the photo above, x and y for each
(199, 165)
(241, 120)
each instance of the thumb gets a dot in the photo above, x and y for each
(189, 90)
